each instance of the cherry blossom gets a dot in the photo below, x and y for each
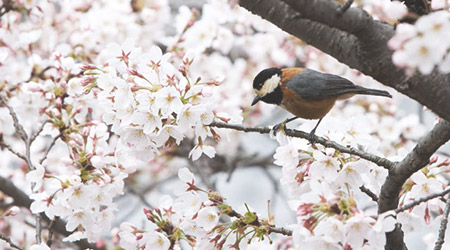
(119, 96)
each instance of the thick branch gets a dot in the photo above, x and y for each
(357, 40)
(319, 35)
(328, 13)
(380, 161)
(443, 226)
(22, 200)
(413, 162)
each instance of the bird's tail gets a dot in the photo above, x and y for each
(365, 91)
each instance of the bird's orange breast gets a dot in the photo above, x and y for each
(307, 109)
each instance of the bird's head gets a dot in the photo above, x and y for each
(266, 86)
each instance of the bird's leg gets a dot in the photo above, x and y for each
(282, 125)
(311, 134)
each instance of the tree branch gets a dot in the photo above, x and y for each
(371, 194)
(10, 149)
(327, 13)
(421, 200)
(8, 240)
(7, 6)
(49, 148)
(28, 141)
(36, 134)
(321, 36)
(443, 226)
(357, 40)
(280, 230)
(300, 134)
(17, 126)
(272, 229)
(420, 7)
(140, 195)
(413, 162)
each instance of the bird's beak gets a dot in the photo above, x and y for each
(257, 98)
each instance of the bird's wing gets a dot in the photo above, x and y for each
(314, 85)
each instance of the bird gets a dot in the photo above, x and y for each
(305, 93)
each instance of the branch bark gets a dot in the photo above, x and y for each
(420, 7)
(443, 227)
(423, 199)
(380, 161)
(413, 162)
(357, 40)
(8, 240)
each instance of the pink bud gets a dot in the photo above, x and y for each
(87, 67)
(134, 72)
(85, 81)
(183, 69)
(12, 211)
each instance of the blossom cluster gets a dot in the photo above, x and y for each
(148, 104)
(424, 45)
(326, 186)
(193, 218)
(389, 11)
(105, 106)
(115, 93)
(326, 189)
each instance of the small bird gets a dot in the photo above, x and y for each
(305, 93)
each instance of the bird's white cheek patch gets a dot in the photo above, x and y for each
(270, 85)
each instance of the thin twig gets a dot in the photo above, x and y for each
(38, 229)
(380, 161)
(8, 240)
(36, 134)
(272, 229)
(443, 153)
(280, 230)
(272, 179)
(51, 231)
(10, 149)
(423, 199)
(371, 194)
(49, 148)
(203, 176)
(28, 141)
(443, 227)
(140, 196)
(18, 127)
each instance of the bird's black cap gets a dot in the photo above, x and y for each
(262, 76)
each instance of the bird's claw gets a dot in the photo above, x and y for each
(278, 127)
(311, 138)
